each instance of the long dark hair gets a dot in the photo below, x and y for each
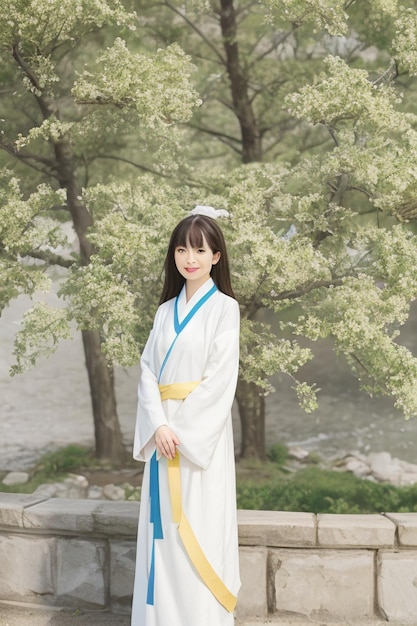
(191, 230)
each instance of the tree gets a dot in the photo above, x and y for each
(61, 113)
(316, 227)
(256, 68)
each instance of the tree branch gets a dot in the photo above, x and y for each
(273, 46)
(32, 78)
(362, 190)
(27, 156)
(31, 161)
(332, 134)
(247, 7)
(305, 289)
(359, 362)
(389, 75)
(215, 133)
(189, 182)
(50, 258)
(197, 30)
(348, 4)
(133, 164)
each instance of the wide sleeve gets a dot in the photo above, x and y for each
(202, 416)
(150, 414)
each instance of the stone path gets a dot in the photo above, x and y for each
(13, 615)
(17, 615)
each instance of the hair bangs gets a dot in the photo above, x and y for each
(191, 234)
(193, 231)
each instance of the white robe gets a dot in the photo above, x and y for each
(207, 350)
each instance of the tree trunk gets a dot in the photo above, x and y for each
(251, 404)
(252, 418)
(242, 105)
(108, 436)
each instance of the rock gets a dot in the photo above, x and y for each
(385, 468)
(113, 492)
(298, 453)
(74, 486)
(48, 490)
(358, 466)
(95, 493)
(380, 467)
(16, 478)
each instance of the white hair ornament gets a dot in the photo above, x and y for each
(209, 211)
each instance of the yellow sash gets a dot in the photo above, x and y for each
(177, 391)
(180, 391)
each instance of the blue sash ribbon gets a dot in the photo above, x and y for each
(155, 516)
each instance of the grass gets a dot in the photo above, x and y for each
(53, 467)
(272, 485)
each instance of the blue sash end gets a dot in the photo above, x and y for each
(155, 519)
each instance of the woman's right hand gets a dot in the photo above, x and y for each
(166, 442)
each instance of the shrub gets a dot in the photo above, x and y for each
(278, 453)
(64, 460)
(324, 491)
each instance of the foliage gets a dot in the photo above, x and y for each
(132, 493)
(262, 486)
(328, 14)
(66, 459)
(405, 43)
(122, 280)
(121, 75)
(25, 228)
(278, 453)
(41, 26)
(360, 299)
(323, 491)
(76, 117)
(54, 466)
(321, 213)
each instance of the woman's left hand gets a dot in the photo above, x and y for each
(166, 442)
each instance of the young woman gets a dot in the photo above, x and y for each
(187, 569)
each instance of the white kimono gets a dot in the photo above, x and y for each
(206, 350)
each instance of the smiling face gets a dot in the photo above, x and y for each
(195, 263)
(203, 235)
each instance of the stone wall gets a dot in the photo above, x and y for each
(81, 553)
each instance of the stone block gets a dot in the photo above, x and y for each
(80, 573)
(276, 528)
(122, 574)
(26, 568)
(329, 583)
(397, 585)
(61, 515)
(16, 478)
(118, 519)
(12, 506)
(355, 531)
(406, 524)
(252, 599)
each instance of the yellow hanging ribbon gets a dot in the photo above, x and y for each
(188, 538)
